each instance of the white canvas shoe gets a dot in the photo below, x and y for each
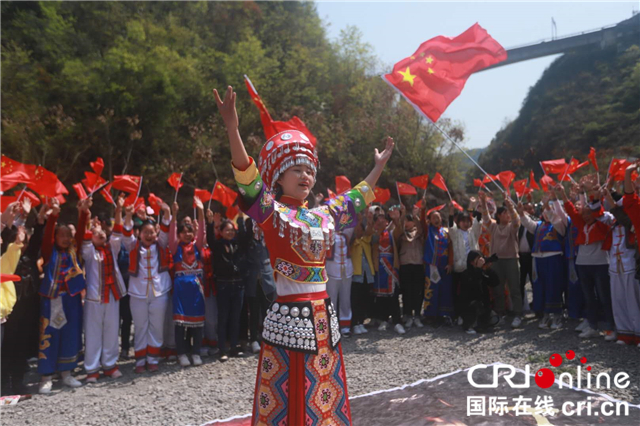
(399, 329)
(71, 381)
(183, 360)
(383, 326)
(610, 336)
(556, 322)
(517, 322)
(45, 387)
(418, 323)
(544, 322)
(196, 359)
(582, 325)
(255, 347)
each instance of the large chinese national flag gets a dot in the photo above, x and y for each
(436, 73)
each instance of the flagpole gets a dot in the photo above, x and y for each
(175, 199)
(443, 133)
(398, 191)
(567, 169)
(139, 188)
(519, 198)
(211, 198)
(20, 195)
(608, 170)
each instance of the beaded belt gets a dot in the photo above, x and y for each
(299, 326)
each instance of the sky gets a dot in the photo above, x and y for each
(490, 98)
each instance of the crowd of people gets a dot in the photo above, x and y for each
(201, 286)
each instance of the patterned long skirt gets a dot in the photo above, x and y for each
(296, 388)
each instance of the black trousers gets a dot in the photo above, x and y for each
(456, 278)
(361, 301)
(526, 268)
(389, 307)
(474, 310)
(412, 286)
(125, 324)
(252, 315)
(183, 339)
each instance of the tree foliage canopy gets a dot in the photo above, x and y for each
(131, 82)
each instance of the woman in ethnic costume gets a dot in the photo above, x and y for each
(301, 377)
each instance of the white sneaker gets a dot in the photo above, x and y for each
(501, 321)
(71, 381)
(255, 347)
(589, 332)
(418, 323)
(409, 323)
(471, 331)
(45, 387)
(399, 329)
(517, 322)
(582, 325)
(171, 358)
(556, 322)
(213, 351)
(639, 345)
(544, 322)
(610, 336)
(204, 352)
(363, 329)
(383, 326)
(183, 360)
(460, 321)
(357, 330)
(620, 342)
(345, 331)
(196, 360)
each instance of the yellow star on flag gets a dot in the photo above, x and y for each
(431, 71)
(429, 59)
(407, 76)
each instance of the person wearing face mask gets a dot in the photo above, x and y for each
(548, 280)
(410, 241)
(301, 337)
(592, 262)
(185, 245)
(60, 301)
(149, 285)
(438, 258)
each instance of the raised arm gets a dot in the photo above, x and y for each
(511, 207)
(227, 108)
(84, 215)
(529, 224)
(202, 230)
(173, 228)
(48, 240)
(381, 159)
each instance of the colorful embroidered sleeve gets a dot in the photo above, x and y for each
(347, 205)
(256, 201)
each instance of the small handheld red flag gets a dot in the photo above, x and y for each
(46, 183)
(13, 172)
(80, 191)
(155, 203)
(435, 209)
(175, 180)
(420, 181)
(330, 194)
(438, 181)
(127, 183)
(456, 205)
(106, 194)
(203, 194)
(506, 178)
(406, 189)
(554, 166)
(382, 195)
(97, 166)
(224, 194)
(532, 181)
(520, 186)
(343, 184)
(545, 181)
(592, 158)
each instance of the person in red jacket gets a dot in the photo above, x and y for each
(592, 262)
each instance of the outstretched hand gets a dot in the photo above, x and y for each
(381, 158)
(227, 107)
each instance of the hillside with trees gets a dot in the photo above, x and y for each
(584, 99)
(131, 82)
